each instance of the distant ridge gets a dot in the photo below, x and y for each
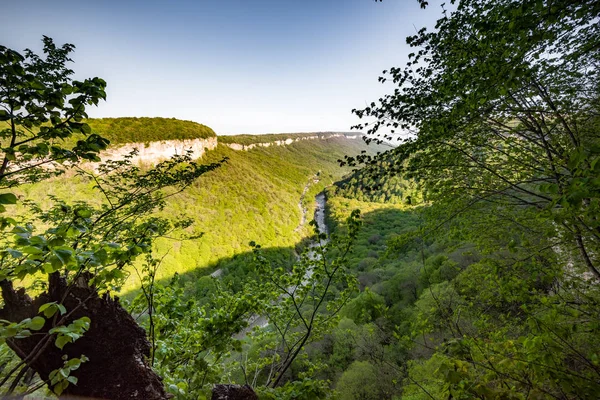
(248, 142)
(157, 139)
(274, 137)
(130, 130)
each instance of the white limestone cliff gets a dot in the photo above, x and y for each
(154, 152)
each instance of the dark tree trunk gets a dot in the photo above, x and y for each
(115, 344)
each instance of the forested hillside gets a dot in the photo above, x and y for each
(362, 185)
(144, 130)
(462, 263)
(499, 110)
(253, 196)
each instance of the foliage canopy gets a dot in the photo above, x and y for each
(498, 116)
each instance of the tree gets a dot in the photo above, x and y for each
(360, 382)
(498, 108)
(501, 105)
(74, 335)
(302, 304)
(43, 107)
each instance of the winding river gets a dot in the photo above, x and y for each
(261, 320)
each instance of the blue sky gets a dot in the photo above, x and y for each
(239, 66)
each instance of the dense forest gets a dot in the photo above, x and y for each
(253, 196)
(139, 130)
(462, 262)
(364, 186)
(144, 130)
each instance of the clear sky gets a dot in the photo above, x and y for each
(238, 66)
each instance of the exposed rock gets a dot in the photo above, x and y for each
(246, 147)
(236, 146)
(153, 152)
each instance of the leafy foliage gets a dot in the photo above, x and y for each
(198, 344)
(365, 186)
(74, 248)
(144, 130)
(499, 108)
(41, 106)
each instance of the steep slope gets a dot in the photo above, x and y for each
(254, 196)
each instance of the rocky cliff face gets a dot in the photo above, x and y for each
(153, 152)
(246, 147)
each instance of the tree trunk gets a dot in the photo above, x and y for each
(115, 344)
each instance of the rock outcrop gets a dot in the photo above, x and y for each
(115, 344)
(246, 147)
(154, 152)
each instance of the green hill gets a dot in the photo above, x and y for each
(254, 196)
(143, 130)
(140, 130)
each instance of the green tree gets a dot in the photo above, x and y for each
(302, 304)
(360, 382)
(197, 343)
(366, 307)
(498, 107)
(42, 106)
(73, 334)
(501, 101)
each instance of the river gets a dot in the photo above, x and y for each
(261, 320)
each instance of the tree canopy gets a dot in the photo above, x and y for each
(497, 114)
(69, 256)
(500, 104)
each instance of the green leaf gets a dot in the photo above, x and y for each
(37, 85)
(61, 341)
(32, 250)
(8, 198)
(52, 266)
(14, 253)
(83, 213)
(63, 254)
(23, 334)
(37, 323)
(73, 363)
(56, 242)
(49, 309)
